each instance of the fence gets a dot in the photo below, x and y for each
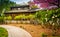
(21, 22)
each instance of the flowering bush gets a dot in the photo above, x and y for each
(51, 17)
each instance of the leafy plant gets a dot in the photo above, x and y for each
(3, 32)
(23, 17)
(55, 36)
(49, 17)
(19, 17)
(31, 16)
(2, 17)
(43, 34)
(8, 18)
(34, 6)
(5, 4)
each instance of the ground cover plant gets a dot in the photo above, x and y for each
(3, 32)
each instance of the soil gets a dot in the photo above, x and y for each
(35, 30)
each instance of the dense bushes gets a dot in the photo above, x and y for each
(8, 18)
(1, 20)
(19, 17)
(43, 34)
(24, 17)
(3, 32)
(49, 17)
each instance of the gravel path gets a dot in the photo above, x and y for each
(15, 31)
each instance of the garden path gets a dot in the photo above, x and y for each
(15, 31)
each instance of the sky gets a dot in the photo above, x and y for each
(20, 1)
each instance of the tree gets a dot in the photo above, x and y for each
(54, 2)
(49, 18)
(4, 4)
(32, 5)
(50, 2)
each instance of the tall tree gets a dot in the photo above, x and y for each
(54, 2)
(4, 4)
(50, 2)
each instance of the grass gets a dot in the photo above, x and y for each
(3, 32)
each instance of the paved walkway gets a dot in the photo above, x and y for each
(15, 31)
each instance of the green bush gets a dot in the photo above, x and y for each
(1, 19)
(8, 18)
(19, 17)
(41, 15)
(43, 34)
(51, 17)
(31, 16)
(3, 32)
(34, 6)
(55, 36)
(23, 17)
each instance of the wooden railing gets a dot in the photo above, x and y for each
(21, 22)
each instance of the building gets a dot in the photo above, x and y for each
(18, 10)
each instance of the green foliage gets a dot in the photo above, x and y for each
(19, 17)
(43, 34)
(24, 17)
(1, 19)
(8, 18)
(5, 4)
(3, 32)
(34, 6)
(41, 15)
(55, 36)
(51, 17)
(31, 16)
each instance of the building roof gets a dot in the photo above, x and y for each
(21, 6)
(21, 11)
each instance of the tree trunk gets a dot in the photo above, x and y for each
(58, 3)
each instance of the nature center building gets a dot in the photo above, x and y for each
(19, 10)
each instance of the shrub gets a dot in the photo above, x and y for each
(34, 7)
(19, 17)
(1, 19)
(31, 16)
(3, 32)
(8, 18)
(43, 34)
(51, 17)
(55, 36)
(23, 17)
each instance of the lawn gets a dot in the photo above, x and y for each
(3, 32)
